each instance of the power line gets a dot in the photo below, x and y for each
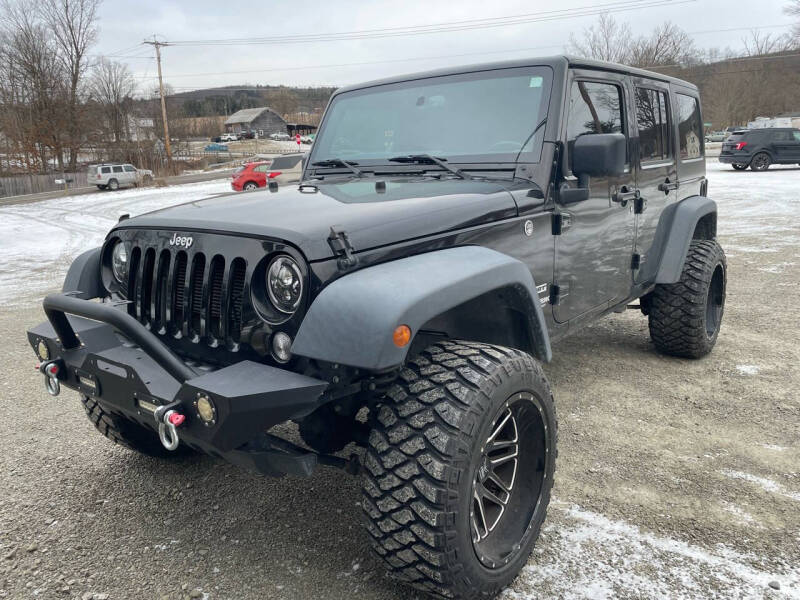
(485, 23)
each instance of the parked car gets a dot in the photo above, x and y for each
(306, 139)
(716, 136)
(403, 299)
(760, 148)
(282, 169)
(228, 137)
(246, 135)
(280, 137)
(114, 175)
(216, 148)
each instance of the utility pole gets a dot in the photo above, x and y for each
(157, 45)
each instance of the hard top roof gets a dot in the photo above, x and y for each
(556, 62)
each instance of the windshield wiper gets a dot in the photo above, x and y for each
(430, 160)
(338, 162)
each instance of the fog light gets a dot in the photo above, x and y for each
(281, 347)
(42, 350)
(206, 409)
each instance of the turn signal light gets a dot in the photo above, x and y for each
(401, 336)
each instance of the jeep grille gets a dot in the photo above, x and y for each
(184, 294)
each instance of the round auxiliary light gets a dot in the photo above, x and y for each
(401, 335)
(119, 261)
(281, 347)
(206, 409)
(42, 351)
(284, 284)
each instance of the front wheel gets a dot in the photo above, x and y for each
(685, 317)
(101, 187)
(760, 162)
(113, 185)
(459, 468)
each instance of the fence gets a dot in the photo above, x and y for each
(17, 185)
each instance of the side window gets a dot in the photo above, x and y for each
(690, 127)
(781, 136)
(594, 108)
(796, 135)
(118, 169)
(261, 169)
(106, 169)
(130, 169)
(653, 123)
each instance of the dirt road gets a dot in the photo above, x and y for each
(675, 478)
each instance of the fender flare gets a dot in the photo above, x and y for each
(84, 276)
(352, 320)
(682, 224)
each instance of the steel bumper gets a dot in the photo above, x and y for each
(105, 353)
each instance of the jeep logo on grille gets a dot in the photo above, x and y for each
(178, 240)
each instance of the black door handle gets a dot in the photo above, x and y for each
(667, 186)
(625, 195)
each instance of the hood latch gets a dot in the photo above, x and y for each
(342, 248)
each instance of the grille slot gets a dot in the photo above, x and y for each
(186, 294)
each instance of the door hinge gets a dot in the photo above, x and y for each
(636, 261)
(555, 292)
(561, 222)
(339, 242)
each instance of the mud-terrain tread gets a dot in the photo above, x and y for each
(127, 433)
(417, 451)
(677, 315)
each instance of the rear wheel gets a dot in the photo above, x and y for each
(685, 317)
(760, 162)
(249, 186)
(101, 187)
(739, 166)
(127, 433)
(459, 468)
(113, 184)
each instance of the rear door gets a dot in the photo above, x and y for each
(594, 248)
(785, 145)
(656, 173)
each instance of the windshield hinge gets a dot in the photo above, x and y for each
(561, 222)
(342, 248)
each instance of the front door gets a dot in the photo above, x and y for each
(786, 145)
(594, 248)
(657, 173)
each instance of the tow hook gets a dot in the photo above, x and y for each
(169, 420)
(51, 371)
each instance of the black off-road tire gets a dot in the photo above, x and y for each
(685, 317)
(425, 453)
(127, 433)
(761, 162)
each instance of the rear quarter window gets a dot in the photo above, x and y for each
(690, 127)
(285, 162)
(106, 169)
(118, 169)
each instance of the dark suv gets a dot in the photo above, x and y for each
(401, 299)
(760, 148)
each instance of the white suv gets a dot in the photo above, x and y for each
(112, 176)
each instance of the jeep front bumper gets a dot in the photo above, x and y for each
(103, 352)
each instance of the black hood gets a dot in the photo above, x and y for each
(405, 209)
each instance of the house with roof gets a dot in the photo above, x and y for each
(263, 121)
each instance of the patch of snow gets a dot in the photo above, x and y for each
(778, 268)
(747, 369)
(774, 447)
(591, 556)
(744, 517)
(766, 484)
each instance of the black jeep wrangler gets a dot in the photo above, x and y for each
(448, 228)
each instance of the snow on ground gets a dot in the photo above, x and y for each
(39, 240)
(590, 556)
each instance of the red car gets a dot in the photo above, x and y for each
(283, 169)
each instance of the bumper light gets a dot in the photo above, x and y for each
(42, 351)
(206, 409)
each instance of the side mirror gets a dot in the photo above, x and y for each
(595, 155)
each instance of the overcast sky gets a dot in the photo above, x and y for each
(321, 63)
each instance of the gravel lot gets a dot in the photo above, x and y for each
(675, 479)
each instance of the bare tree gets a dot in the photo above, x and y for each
(668, 44)
(758, 44)
(793, 10)
(73, 26)
(606, 40)
(112, 85)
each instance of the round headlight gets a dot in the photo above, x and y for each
(284, 284)
(119, 261)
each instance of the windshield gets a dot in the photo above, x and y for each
(488, 116)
